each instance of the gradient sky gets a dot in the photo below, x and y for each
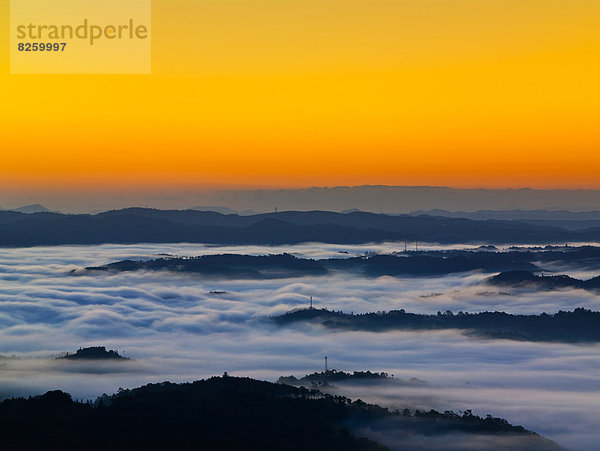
(464, 93)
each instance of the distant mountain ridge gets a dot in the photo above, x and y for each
(28, 209)
(571, 220)
(542, 282)
(137, 225)
(374, 198)
(515, 214)
(225, 210)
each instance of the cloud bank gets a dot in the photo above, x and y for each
(182, 327)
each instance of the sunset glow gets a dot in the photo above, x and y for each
(460, 93)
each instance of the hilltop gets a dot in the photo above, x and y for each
(93, 353)
(228, 413)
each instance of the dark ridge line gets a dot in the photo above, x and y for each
(140, 225)
(93, 353)
(520, 264)
(579, 326)
(222, 413)
(528, 279)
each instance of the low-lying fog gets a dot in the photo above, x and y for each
(177, 330)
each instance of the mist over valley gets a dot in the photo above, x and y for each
(183, 326)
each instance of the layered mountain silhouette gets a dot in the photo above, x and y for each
(571, 220)
(136, 225)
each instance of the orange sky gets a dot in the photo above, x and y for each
(298, 92)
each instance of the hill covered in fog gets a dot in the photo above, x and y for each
(580, 325)
(234, 413)
(410, 263)
(528, 279)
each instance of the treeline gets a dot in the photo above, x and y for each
(218, 413)
(543, 282)
(402, 263)
(93, 353)
(580, 325)
(332, 375)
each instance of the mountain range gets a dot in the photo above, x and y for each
(28, 209)
(136, 225)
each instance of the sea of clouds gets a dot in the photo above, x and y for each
(176, 329)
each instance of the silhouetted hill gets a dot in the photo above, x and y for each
(189, 217)
(28, 209)
(542, 282)
(94, 353)
(580, 325)
(219, 414)
(570, 220)
(226, 265)
(329, 376)
(406, 263)
(286, 265)
(222, 210)
(135, 225)
(35, 208)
